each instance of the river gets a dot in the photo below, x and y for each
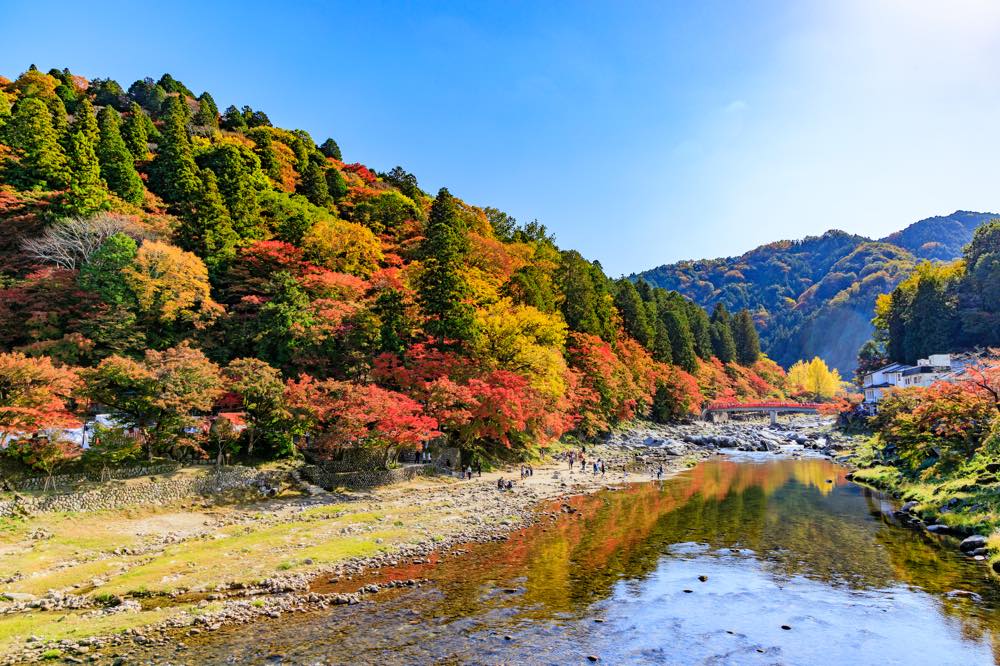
(744, 560)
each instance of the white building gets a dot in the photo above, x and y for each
(928, 370)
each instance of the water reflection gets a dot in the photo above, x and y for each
(780, 541)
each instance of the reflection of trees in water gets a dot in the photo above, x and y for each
(919, 559)
(785, 511)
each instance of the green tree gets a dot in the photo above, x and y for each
(40, 161)
(148, 95)
(208, 112)
(586, 305)
(662, 346)
(395, 327)
(135, 134)
(331, 149)
(262, 393)
(681, 340)
(700, 329)
(723, 344)
(442, 290)
(980, 289)
(117, 165)
(633, 313)
(233, 120)
(87, 193)
(85, 121)
(206, 228)
(240, 181)
(336, 185)
(173, 173)
(313, 185)
(172, 85)
(264, 149)
(102, 273)
(745, 337)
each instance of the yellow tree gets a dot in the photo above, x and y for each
(170, 284)
(344, 247)
(814, 379)
(524, 340)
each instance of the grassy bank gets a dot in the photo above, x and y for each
(187, 559)
(966, 499)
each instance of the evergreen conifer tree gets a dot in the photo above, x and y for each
(233, 120)
(442, 291)
(745, 337)
(87, 193)
(700, 329)
(134, 133)
(313, 185)
(681, 340)
(117, 166)
(723, 344)
(41, 160)
(633, 313)
(174, 174)
(240, 181)
(206, 229)
(662, 346)
(336, 185)
(331, 149)
(208, 112)
(57, 111)
(85, 121)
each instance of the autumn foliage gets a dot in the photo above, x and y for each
(240, 267)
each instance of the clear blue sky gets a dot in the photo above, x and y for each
(640, 133)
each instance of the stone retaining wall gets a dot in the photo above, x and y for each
(67, 481)
(330, 477)
(153, 491)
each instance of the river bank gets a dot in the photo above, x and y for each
(966, 507)
(100, 582)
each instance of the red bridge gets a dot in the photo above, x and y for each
(722, 409)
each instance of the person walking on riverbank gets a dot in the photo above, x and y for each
(659, 473)
(603, 469)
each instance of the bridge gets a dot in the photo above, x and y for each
(720, 411)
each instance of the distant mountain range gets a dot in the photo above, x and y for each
(815, 296)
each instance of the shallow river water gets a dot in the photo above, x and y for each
(750, 560)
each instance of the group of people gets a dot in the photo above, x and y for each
(505, 485)
(469, 470)
(597, 465)
(526, 471)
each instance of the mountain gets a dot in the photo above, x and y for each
(941, 237)
(815, 296)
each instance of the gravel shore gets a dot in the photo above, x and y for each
(445, 514)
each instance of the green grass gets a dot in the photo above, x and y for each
(56, 626)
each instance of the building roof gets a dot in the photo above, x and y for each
(882, 385)
(925, 370)
(892, 367)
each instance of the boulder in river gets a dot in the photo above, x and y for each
(971, 543)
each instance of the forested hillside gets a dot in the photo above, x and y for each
(164, 260)
(942, 306)
(815, 296)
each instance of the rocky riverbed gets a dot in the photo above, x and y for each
(441, 515)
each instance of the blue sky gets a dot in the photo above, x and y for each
(639, 132)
